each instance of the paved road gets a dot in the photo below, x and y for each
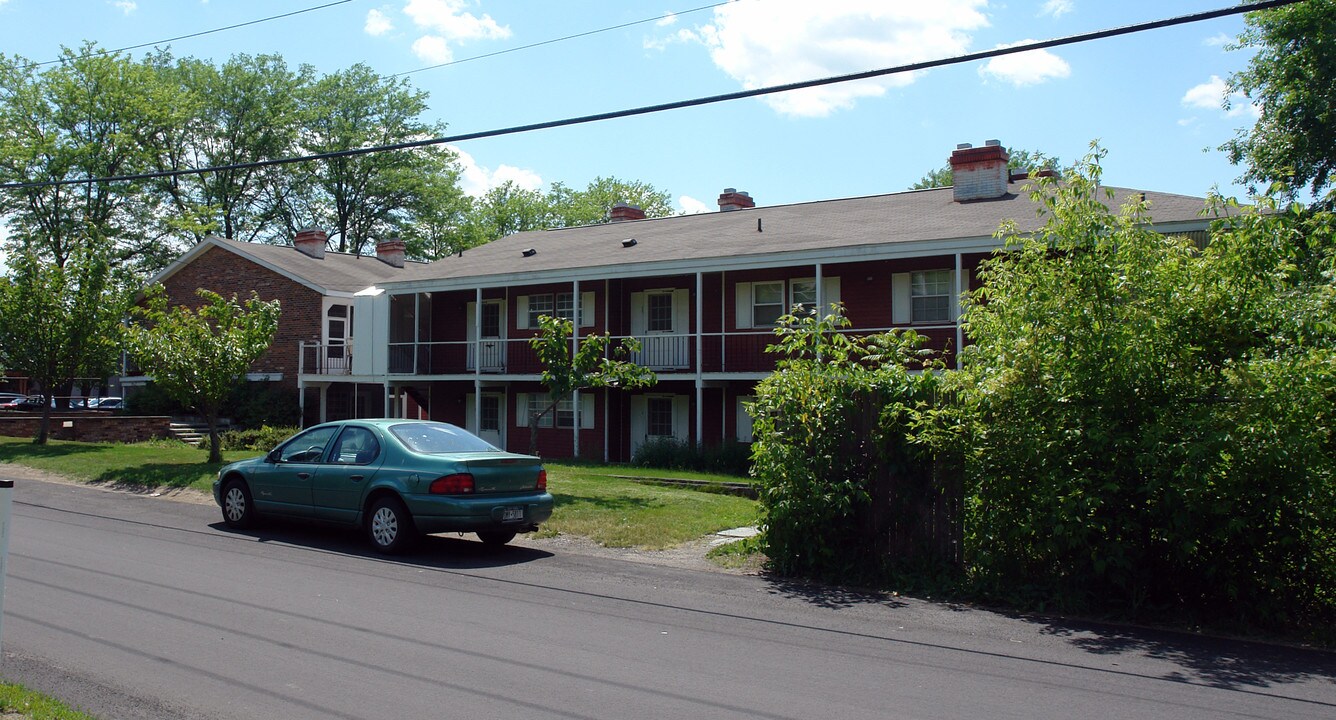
(132, 607)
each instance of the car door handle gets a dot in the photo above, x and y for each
(303, 476)
(356, 478)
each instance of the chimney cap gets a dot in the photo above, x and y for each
(992, 143)
(963, 146)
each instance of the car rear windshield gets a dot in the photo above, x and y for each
(439, 438)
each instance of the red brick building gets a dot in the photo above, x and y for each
(448, 340)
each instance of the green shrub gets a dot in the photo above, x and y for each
(250, 404)
(730, 458)
(261, 439)
(839, 475)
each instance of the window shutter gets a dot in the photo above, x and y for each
(521, 409)
(681, 311)
(471, 321)
(587, 411)
(470, 412)
(682, 417)
(902, 304)
(587, 309)
(522, 312)
(830, 292)
(639, 314)
(742, 301)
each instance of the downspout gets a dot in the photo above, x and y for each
(477, 359)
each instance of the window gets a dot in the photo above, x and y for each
(307, 447)
(660, 311)
(356, 446)
(539, 305)
(803, 293)
(930, 295)
(491, 413)
(565, 413)
(767, 303)
(561, 305)
(660, 417)
(336, 329)
(491, 320)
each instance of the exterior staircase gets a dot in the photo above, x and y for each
(190, 430)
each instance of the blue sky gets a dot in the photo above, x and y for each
(1152, 99)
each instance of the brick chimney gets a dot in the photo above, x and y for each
(979, 173)
(311, 241)
(391, 252)
(731, 199)
(621, 212)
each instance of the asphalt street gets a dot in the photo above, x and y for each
(128, 606)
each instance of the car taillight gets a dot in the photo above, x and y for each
(542, 479)
(457, 484)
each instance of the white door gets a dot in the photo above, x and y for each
(490, 338)
(493, 417)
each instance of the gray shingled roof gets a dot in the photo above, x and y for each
(337, 272)
(882, 220)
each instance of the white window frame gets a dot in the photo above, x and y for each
(770, 285)
(919, 290)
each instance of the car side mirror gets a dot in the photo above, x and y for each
(272, 457)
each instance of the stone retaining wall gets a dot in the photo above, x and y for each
(89, 426)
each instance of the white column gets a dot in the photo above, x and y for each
(575, 347)
(960, 285)
(700, 382)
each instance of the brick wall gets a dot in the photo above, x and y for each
(90, 427)
(226, 273)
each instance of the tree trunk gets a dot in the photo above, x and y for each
(533, 427)
(215, 442)
(44, 427)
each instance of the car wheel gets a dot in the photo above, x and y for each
(238, 510)
(389, 526)
(496, 538)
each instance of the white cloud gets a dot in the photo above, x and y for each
(666, 20)
(125, 6)
(477, 180)
(1218, 40)
(446, 23)
(1057, 8)
(691, 206)
(1211, 95)
(377, 23)
(432, 49)
(447, 19)
(1027, 68)
(760, 44)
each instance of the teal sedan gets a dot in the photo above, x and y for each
(396, 479)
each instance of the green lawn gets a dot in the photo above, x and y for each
(590, 502)
(19, 702)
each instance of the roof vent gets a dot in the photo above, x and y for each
(629, 242)
(529, 252)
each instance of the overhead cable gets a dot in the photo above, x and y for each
(203, 32)
(564, 38)
(709, 100)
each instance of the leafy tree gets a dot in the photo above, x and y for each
(199, 356)
(364, 197)
(505, 210)
(591, 366)
(572, 208)
(1147, 425)
(839, 474)
(1020, 161)
(440, 225)
(245, 111)
(1292, 78)
(83, 118)
(58, 322)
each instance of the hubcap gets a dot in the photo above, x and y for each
(384, 526)
(236, 504)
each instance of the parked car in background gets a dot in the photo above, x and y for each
(394, 478)
(31, 402)
(8, 398)
(106, 403)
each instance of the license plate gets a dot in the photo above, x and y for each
(512, 513)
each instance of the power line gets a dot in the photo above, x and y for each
(564, 38)
(709, 100)
(203, 32)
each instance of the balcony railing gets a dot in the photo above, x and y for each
(325, 358)
(740, 352)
